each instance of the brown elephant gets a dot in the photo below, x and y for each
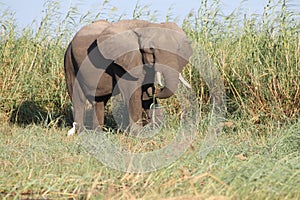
(105, 58)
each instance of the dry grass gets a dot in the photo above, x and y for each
(256, 157)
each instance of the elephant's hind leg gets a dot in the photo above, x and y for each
(98, 117)
(79, 104)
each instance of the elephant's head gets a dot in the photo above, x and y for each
(171, 52)
(157, 47)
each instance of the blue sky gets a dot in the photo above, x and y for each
(28, 10)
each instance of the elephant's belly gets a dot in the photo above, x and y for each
(105, 85)
(95, 86)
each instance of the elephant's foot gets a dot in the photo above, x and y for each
(98, 128)
(135, 128)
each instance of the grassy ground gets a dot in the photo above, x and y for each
(248, 162)
(257, 156)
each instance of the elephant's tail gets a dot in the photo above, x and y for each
(69, 70)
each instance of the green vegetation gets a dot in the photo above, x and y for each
(250, 162)
(256, 157)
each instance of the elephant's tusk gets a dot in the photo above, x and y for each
(160, 83)
(159, 79)
(184, 81)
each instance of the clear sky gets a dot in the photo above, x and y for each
(28, 10)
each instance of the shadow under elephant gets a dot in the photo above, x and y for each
(29, 112)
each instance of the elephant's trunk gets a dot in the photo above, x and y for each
(171, 78)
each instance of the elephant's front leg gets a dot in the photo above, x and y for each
(135, 110)
(132, 93)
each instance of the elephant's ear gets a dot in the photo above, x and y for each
(183, 49)
(120, 45)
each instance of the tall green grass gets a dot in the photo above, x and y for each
(257, 158)
(258, 57)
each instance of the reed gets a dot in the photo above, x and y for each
(257, 157)
(258, 58)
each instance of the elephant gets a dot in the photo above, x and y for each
(104, 59)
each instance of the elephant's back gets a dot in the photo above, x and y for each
(88, 34)
(94, 28)
(85, 37)
(132, 24)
